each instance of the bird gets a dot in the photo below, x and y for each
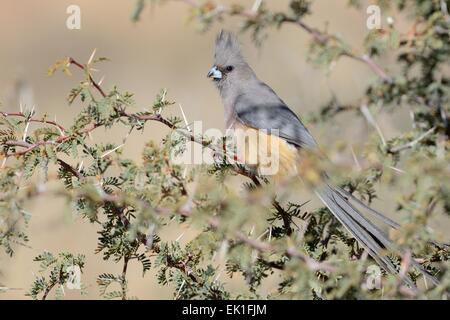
(251, 106)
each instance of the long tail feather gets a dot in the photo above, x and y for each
(391, 223)
(374, 240)
(372, 211)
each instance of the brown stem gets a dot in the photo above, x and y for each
(376, 68)
(29, 147)
(123, 284)
(20, 114)
(91, 80)
(47, 291)
(318, 36)
(51, 286)
(68, 167)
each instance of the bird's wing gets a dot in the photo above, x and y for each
(274, 116)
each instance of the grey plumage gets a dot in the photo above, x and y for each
(251, 103)
(274, 116)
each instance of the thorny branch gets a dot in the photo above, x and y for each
(121, 203)
(113, 199)
(318, 36)
(22, 115)
(239, 169)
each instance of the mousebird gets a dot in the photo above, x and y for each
(251, 105)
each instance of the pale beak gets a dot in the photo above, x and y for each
(215, 73)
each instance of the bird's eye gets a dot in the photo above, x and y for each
(229, 68)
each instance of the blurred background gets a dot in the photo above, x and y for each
(163, 50)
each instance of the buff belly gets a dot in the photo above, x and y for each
(268, 154)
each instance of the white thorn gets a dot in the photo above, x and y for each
(251, 230)
(218, 276)
(174, 217)
(91, 58)
(62, 289)
(58, 145)
(355, 158)
(126, 136)
(179, 237)
(413, 117)
(101, 81)
(256, 5)
(396, 169)
(184, 118)
(179, 290)
(4, 162)
(444, 8)
(254, 255)
(163, 98)
(60, 130)
(25, 131)
(425, 282)
(111, 151)
(149, 236)
(262, 234)
(223, 250)
(80, 166)
(366, 112)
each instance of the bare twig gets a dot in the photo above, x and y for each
(412, 143)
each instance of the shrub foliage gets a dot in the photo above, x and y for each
(242, 233)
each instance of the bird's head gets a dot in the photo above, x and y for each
(229, 66)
